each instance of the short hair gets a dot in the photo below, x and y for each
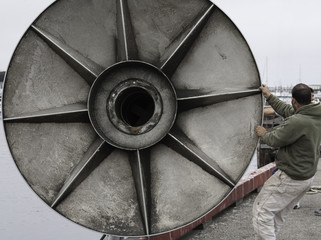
(302, 94)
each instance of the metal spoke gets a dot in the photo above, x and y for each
(70, 113)
(141, 172)
(180, 143)
(96, 153)
(189, 99)
(126, 44)
(175, 54)
(85, 67)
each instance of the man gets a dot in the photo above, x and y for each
(297, 159)
(270, 111)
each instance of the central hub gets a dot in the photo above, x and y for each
(135, 106)
(132, 105)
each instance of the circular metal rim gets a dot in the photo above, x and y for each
(116, 113)
(148, 234)
(155, 129)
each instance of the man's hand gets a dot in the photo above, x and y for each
(265, 90)
(260, 131)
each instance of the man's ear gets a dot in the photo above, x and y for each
(295, 104)
(293, 101)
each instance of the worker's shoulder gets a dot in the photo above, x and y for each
(297, 119)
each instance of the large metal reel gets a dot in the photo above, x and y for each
(132, 117)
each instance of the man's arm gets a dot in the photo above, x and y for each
(282, 136)
(283, 109)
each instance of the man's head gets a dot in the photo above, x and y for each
(301, 95)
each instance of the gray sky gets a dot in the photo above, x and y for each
(284, 35)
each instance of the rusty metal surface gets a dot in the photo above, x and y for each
(132, 118)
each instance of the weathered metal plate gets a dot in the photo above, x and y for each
(132, 118)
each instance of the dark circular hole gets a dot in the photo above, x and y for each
(135, 106)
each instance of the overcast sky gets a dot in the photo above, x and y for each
(284, 35)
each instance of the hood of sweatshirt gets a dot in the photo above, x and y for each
(313, 109)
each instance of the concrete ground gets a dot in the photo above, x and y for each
(235, 223)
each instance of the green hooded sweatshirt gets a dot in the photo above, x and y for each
(299, 139)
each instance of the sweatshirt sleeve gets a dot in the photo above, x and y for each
(282, 136)
(285, 110)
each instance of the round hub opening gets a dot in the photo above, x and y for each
(132, 105)
(135, 106)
